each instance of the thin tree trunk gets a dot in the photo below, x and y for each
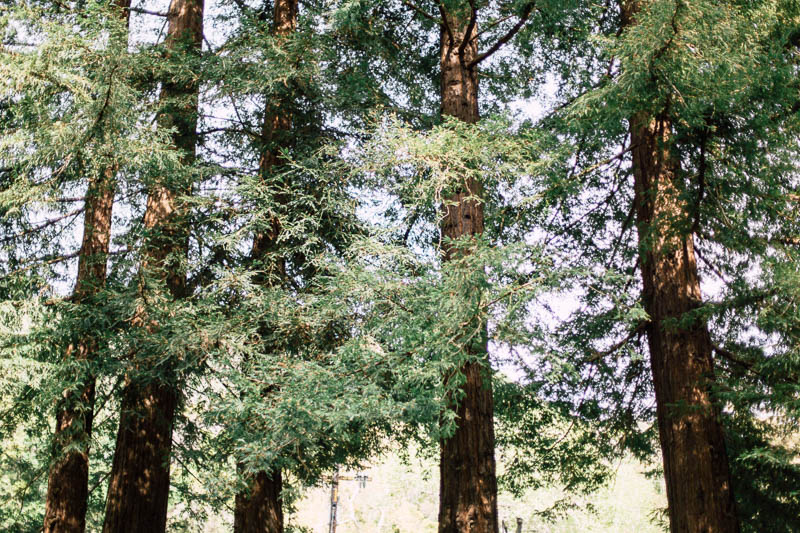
(68, 481)
(699, 490)
(258, 507)
(468, 484)
(138, 489)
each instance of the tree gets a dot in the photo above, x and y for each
(259, 506)
(699, 488)
(67, 489)
(468, 484)
(138, 490)
(688, 179)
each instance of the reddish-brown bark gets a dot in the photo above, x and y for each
(699, 490)
(258, 508)
(138, 489)
(468, 484)
(67, 484)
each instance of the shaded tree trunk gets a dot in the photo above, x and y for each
(258, 508)
(468, 484)
(68, 481)
(138, 489)
(699, 491)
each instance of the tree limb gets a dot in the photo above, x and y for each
(605, 353)
(421, 11)
(505, 38)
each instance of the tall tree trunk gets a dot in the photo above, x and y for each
(699, 491)
(138, 489)
(68, 481)
(468, 484)
(258, 507)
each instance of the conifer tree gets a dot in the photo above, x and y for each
(259, 506)
(139, 482)
(468, 484)
(263, 327)
(674, 79)
(67, 490)
(699, 488)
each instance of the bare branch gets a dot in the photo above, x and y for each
(473, 17)
(147, 12)
(605, 353)
(42, 226)
(505, 38)
(42, 262)
(421, 11)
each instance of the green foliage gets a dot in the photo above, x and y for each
(355, 345)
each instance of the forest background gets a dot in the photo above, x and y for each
(244, 244)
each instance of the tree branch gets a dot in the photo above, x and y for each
(445, 24)
(473, 17)
(605, 353)
(505, 38)
(43, 225)
(147, 12)
(421, 11)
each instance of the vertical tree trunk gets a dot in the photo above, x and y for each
(68, 481)
(258, 508)
(468, 484)
(138, 489)
(699, 492)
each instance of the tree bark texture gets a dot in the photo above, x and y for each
(468, 484)
(67, 485)
(68, 480)
(138, 489)
(258, 508)
(699, 490)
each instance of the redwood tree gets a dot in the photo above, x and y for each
(468, 480)
(258, 508)
(67, 487)
(139, 484)
(699, 491)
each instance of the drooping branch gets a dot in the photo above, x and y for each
(751, 366)
(597, 356)
(43, 225)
